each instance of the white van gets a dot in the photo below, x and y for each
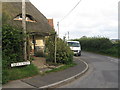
(75, 47)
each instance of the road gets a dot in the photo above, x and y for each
(102, 73)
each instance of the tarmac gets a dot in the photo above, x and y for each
(50, 80)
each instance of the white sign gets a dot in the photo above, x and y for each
(20, 64)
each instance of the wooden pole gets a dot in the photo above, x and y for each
(55, 46)
(58, 28)
(68, 35)
(56, 41)
(28, 47)
(24, 28)
(34, 41)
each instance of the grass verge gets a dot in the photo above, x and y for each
(61, 68)
(19, 73)
(104, 53)
(27, 71)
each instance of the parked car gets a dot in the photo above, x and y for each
(75, 47)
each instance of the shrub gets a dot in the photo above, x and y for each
(12, 45)
(50, 47)
(63, 55)
(39, 54)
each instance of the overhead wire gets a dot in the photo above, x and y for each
(70, 11)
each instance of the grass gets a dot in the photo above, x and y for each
(52, 63)
(110, 52)
(61, 68)
(19, 73)
(27, 71)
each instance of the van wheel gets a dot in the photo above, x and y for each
(79, 54)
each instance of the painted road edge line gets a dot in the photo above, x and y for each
(68, 79)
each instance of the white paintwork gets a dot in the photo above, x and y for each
(20, 64)
(75, 48)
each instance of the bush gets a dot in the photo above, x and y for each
(12, 45)
(63, 55)
(50, 47)
(39, 54)
(12, 49)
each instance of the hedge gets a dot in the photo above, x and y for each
(100, 45)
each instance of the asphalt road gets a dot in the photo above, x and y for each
(102, 73)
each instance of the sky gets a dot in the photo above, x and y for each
(91, 18)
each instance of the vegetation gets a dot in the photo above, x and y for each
(61, 68)
(19, 73)
(64, 54)
(12, 45)
(12, 52)
(100, 45)
(39, 54)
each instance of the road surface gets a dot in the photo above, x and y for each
(102, 73)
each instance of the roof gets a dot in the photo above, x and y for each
(50, 21)
(12, 9)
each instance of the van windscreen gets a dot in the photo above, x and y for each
(73, 44)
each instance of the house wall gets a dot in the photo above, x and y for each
(39, 44)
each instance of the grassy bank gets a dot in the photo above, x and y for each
(19, 73)
(101, 53)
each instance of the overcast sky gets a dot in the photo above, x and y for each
(90, 18)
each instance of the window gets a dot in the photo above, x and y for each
(29, 18)
(73, 44)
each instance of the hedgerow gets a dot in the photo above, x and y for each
(100, 45)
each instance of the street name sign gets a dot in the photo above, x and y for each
(20, 64)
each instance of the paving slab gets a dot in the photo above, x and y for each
(17, 84)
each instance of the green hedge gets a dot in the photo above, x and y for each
(64, 54)
(12, 52)
(100, 45)
(12, 45)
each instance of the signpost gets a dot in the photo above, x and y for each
(20, 64)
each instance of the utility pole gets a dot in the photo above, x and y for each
(55, 46)
(58, 28)
(68, 35)
(24, 29)
(56, 41)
